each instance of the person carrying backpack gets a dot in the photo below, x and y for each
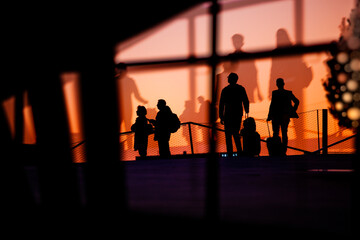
(163, 127)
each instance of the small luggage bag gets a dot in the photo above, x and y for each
(273, 144)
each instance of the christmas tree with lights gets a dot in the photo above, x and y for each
(344, 84)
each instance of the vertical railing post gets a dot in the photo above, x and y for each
(191, 141)
(318, 128)
(324, 131)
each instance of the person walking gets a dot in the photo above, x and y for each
(233, 102)
(281, 110)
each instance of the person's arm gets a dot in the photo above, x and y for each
(136, 93)
(221, 108)
(133, 127)
(246, 102)
(295, 100)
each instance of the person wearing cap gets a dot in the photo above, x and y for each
(233, 102)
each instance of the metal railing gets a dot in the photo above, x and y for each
(311, 131)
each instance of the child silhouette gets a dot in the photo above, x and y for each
(251, 138)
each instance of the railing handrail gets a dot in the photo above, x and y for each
(262, 140)
(335, 143)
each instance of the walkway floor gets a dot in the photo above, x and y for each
(299, 195)
(300, 192)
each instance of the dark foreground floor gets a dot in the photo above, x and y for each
(294, 196)
(307, 193)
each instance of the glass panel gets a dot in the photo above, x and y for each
(180, 37)
(9, 111)
(256, 23)
(265, 25)
(72, 98)
(184, 89)
(303, 75)
(29, 135)
(322, 19)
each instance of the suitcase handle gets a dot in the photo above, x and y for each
(267, 123)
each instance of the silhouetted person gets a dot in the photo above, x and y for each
(204, 110)
(251, 138)
(233, 101)
(221, 81)
(187, 116)
(162, 132)
(246, 70)
(142, 129)
(127, 88)
(295, 72)
(281, 110)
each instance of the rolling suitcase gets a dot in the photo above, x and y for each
(273, 144)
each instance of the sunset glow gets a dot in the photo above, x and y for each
(189, 33)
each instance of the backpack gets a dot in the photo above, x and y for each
(251, 138)
(174, 123)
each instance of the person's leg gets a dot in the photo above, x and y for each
(284, 130)
(161, 147)
(275, 127)
(167, 148)
(236, 135)
(142, 150)
(164, 149)
(276, 145)
(228, 139)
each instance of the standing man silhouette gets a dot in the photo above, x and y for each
(162, 132)
(233, 101)
(281, 110)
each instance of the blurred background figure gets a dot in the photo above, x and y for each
(296, 74)
(247, 71)
(126, 89)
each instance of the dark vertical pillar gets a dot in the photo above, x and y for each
(15, 198)
(57, 178)
(104, 171)
(212, 164)
(299, 21)
(318, 127)
(192, 73)
(355, 188)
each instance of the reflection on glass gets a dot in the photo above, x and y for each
(244, 26)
